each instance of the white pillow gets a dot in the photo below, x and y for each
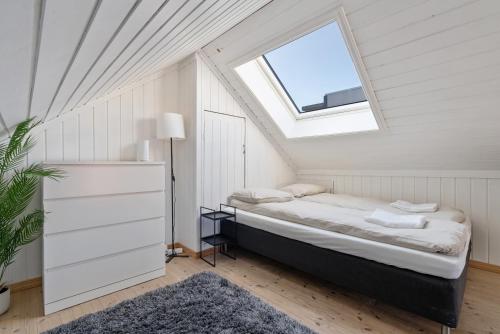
(261, 195)
(304, 189)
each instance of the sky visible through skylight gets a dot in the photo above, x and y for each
(314, 65)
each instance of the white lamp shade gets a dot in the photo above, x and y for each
(170, 125)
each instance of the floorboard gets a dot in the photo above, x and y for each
(322, 306)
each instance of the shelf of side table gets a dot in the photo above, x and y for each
(223, 230)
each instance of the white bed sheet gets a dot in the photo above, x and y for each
(446, 266)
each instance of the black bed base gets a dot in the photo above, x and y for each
(432, 297)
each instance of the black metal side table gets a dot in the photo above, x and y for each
(219, 230)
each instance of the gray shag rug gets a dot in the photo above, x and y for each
(203, 303)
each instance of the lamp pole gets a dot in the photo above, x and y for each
(173, 253)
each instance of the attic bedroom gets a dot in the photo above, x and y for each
(249, 166)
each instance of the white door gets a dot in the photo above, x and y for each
(223, 157)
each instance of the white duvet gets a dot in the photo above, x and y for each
(445, 233)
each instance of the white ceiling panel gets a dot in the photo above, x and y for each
(179, 38)
(146, 11)
(64, 23)
(212, 26)
(58, 54)
(17, 20)
(106, 23)
(176, 12)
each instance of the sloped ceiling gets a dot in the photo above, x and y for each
(434, 66)
(59, 54)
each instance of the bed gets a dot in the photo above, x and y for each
(424, 281)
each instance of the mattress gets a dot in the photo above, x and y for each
(445, 266)
(443, 236)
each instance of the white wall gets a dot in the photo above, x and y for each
(185, 158)
(476, 193)
(266, 166)
(105, 129)
(108, 129)
(433, 66)
(201, 90)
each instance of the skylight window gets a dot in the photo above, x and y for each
(310, 87)
(316, 71)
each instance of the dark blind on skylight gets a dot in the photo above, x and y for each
(317, 71)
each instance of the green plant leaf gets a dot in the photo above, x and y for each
(18, 184)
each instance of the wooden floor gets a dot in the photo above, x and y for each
(315, 303)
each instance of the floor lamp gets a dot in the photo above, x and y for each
(171, 126)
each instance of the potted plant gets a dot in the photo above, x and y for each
(18, 184)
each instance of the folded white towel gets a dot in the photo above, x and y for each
(388, 219)
(412, 207)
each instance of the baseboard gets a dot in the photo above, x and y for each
(484, 266)
(27, 284)
(185, 250)
(192, 253)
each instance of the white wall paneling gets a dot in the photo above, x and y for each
(265, 166)
(493, 221)
(100, 231)
(200, 90)
(114, 128)
(186, 162)
(479, 215)
(475, 193)
(70, 138)
(127, 126)
(86, 134)
(223, 157)
(54, 142)
(430, 63)
(107, 128)
(100, 131)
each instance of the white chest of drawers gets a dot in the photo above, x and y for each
(104, 230)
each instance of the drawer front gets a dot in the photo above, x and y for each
(67, 281)
(97, 180)
(71, 247)
(84, 212)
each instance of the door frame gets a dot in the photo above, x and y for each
(244, 142)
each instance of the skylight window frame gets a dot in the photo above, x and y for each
(337, 15)
(292, 107)
(269, 96)
(337, 121)
(275, 75)
(350, 107)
